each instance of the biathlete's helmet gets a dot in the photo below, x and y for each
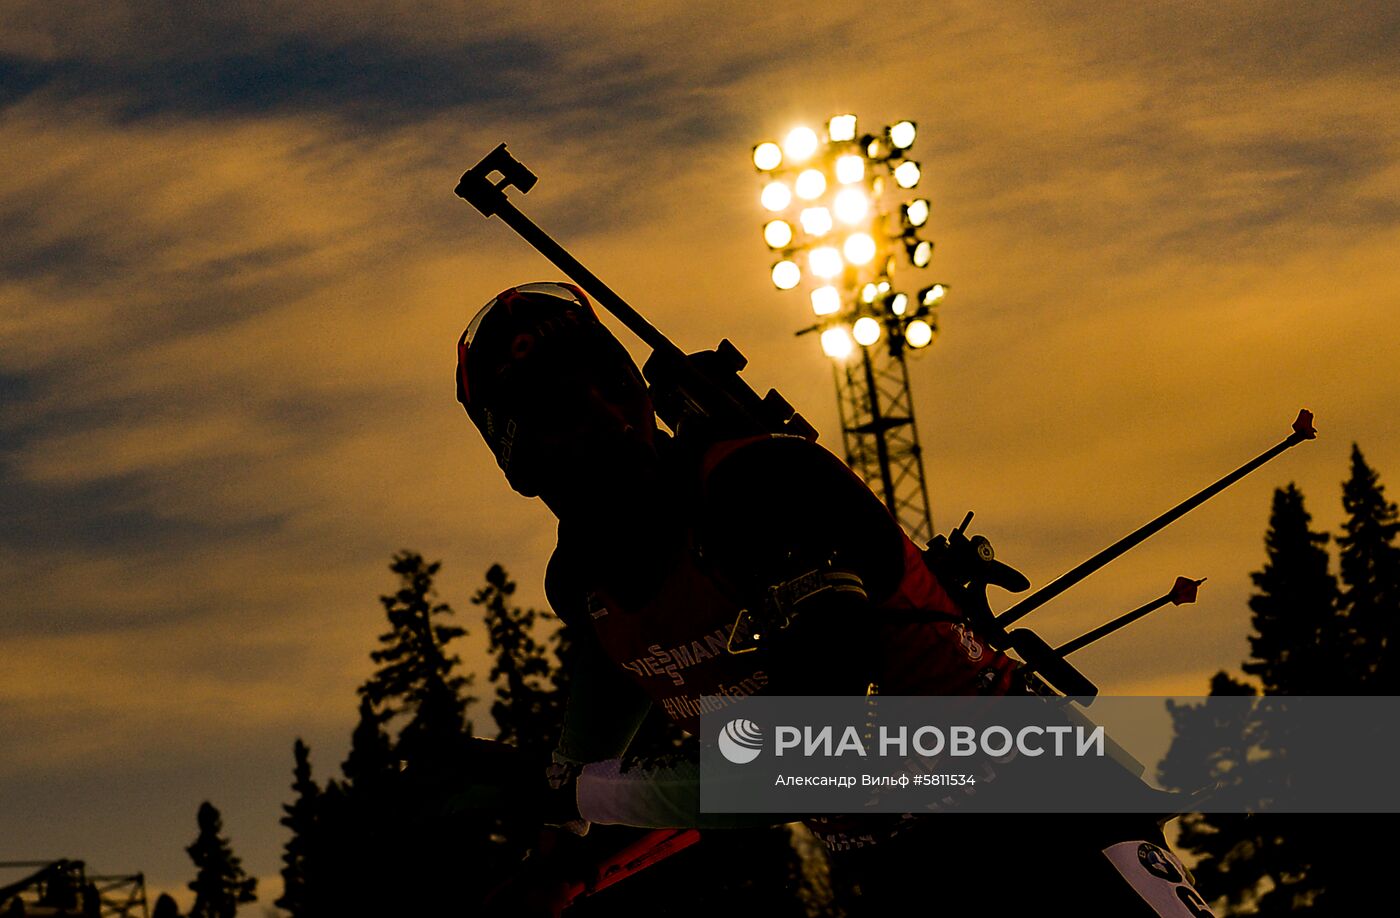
(543, 380)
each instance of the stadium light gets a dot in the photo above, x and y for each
(920, 252)
(851, 206)
(906, 174)
(786, 275)
(826, 301)
(841, 128)
(800, 144)
(918, 333)
(816, 221)
(859, 248)
(915, 212)
(777, 233)
(902, 135)
(815, 182)
(836, 342)
(866, 331)
(767, 156)
(776, 197)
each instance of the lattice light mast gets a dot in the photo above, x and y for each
(840, 226)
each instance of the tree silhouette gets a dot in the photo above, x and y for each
(1312, 637)
(300, 817)
(220, 884)
(417, 677)
(1370, 568)
(1299, 638)
(1261, 861)
(371, 762)
(382, 840)
(393, 838)
(1213, 746)
(530, 687)
(412, 853)
(1347, 866)
(165, 907)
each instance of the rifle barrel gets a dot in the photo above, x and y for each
(490, 199)
(589, 281)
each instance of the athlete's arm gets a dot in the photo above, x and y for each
(604, 709)
(656, 796)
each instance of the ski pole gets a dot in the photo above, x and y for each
(1051, 663)
(1182, 592)
(1302, 430)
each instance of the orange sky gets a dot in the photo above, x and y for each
(234, 274)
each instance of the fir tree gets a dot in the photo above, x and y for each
(362, 820)
(529, 704)
(371, 761)
(1347, 865)
(392, 817)
(343, 854)
(165, 907)
(1298, 636)
(300, 817)
(220, 884)
(1212, 745)
(417, 677)
(1370, 570)
(1311, 638)
(1299, 645)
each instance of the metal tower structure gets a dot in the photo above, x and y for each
(64, 889)
(830, 204)
(880, 436)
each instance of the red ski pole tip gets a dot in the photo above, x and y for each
(1304, 425)
(1184, 590)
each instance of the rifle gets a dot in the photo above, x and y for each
(699, 392)
(702, 391)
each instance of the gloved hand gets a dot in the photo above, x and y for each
(559, 806)
(501, 780)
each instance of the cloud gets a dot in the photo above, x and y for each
(579, 73)
(363, 80)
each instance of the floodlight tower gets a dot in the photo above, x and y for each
(836, 206)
